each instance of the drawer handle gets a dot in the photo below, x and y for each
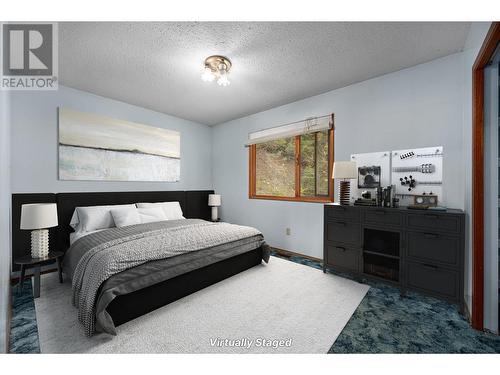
(380, 212)
(340, 248)
(341, 223)
(430, 266)
(431, 235)
(432, 216)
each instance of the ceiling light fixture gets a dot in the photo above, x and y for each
(217, 66)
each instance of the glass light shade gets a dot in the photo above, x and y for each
(223, 81)
(208, 75)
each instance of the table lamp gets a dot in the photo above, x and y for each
(345, 171)
(38, 217)
(214, 201)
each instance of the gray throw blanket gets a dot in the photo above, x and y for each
(105, 254)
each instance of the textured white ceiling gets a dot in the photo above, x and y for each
(158, 65)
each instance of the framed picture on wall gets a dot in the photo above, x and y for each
(94, 147)
(369, 177)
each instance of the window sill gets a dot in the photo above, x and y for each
(293, 199)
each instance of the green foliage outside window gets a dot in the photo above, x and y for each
(275, 166)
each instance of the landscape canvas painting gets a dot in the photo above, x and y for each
(94, 147)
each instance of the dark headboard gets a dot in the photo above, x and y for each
(194, 204)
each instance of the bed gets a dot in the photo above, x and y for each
(152, 264)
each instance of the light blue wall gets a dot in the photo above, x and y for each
(34, 142)
(4, 219)
(415, 107)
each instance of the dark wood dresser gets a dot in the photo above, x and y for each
(420, 250)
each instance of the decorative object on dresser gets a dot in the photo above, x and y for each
(414, 250)
(38, 217)
(345, 171)
(425, 201)
(366, 199)
(214, 201)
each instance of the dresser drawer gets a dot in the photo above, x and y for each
(343, 231)
(344, 257)
(340, 212)
(433, 247)
(435, 280)
(384, 217)
(434, 222)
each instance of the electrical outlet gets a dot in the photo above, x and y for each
(288, 231)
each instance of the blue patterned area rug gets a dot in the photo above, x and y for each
(24, 328)
(384, 322)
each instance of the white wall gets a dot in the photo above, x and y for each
(4, 220)
(416, 107)
(34, 142)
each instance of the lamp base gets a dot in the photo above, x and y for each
(345, 193)
(215, 213)
(40, 243)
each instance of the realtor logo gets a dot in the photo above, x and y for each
(29, 56)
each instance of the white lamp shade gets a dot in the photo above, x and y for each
(345, 169)
(38, 216)
(214, 200)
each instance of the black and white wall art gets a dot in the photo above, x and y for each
(374, 170)
(423, 167)
(368, 176)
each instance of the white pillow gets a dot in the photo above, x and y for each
(151, 215)
(172, 210)
(125, 216)
(87, 219)
(131, 216)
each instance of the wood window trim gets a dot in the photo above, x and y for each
(252, 152)
(482, 60)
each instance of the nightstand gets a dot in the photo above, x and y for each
(27, 261)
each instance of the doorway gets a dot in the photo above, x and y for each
(491, 194)
(481, 192)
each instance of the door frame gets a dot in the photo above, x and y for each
(482, 60)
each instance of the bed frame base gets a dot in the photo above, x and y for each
(127, 307)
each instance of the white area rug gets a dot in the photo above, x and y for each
(281, 300)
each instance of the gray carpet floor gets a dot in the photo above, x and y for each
(247, 313)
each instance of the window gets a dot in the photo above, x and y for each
(295, 168)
